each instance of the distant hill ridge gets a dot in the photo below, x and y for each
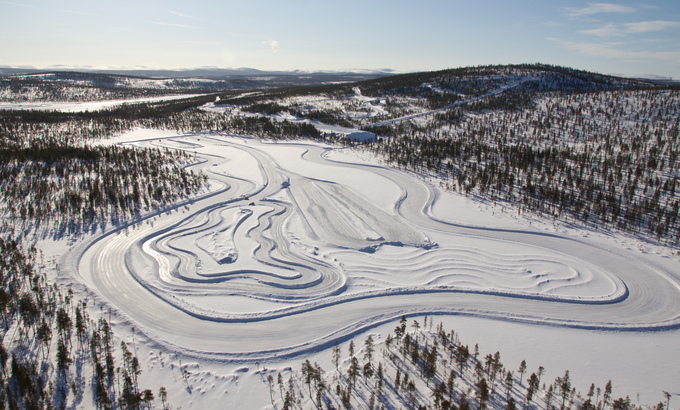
(441, 87)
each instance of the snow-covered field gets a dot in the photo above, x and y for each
(298, 246)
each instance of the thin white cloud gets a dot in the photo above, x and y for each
(160, 23)
(612, 51)
(177, 13)
(17, 4)
(272, 43)
(647, 26)
(609, 30)
(82, 13)
(205, 43)
(598, 8)
(551, 24)
(613, 30)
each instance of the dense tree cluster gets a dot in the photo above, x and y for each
(53, 177)
(267, 108)
(334, 117)
(264, 127)
(48, 342)
(71, 187)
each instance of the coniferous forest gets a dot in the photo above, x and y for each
(49, 340)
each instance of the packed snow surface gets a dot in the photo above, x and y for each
(296, 247)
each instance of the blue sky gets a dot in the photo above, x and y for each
(621, 37)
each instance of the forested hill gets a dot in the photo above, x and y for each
(572, 145)
(443, 87)
(477, 81)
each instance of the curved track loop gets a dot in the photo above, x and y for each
(305, 260)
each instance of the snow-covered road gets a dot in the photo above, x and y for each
(321, 250)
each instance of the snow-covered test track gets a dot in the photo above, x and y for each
(291, 251)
